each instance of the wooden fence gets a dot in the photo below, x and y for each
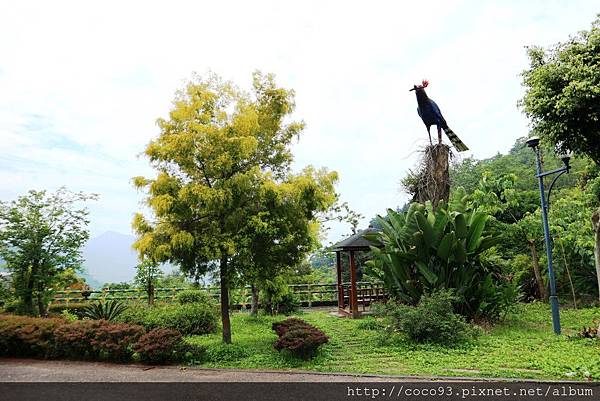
(309, 295)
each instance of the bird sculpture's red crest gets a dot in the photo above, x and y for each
(425, 83)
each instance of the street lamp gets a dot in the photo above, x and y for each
(533, 143)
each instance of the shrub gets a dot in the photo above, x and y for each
(277, 298)
(292, 323)
(188, 319)
(370, 323)
(94, 339)
(76, 308)
(74, 340)
(424, 250)
(69, 316)
(134, 313)
(431, 320)
(158, 346)
(105, 310)
(300, 338)
(191, 352)
(114, 341)
(195, 297)
(27, 336)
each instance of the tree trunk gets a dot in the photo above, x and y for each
(596, 227)
(150, 293)
(536, 270)
(28, 296)
(254, 305)
(40, 299)
(225, 299)
(434, 179)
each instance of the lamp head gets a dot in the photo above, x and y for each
(565, 156)
(533, 142)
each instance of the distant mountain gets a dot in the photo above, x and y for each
(110, 258)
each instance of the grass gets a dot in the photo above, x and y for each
(522, 346)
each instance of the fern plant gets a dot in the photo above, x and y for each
(107, 310)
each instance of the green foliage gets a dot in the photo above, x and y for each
(105, 310)
(147, 276)
(224, 188)
(432, 320)
(195, 297)
(277, 298)
(41, 235)
(423, 250)
(76, 308)
(69, 316)
(563, 91)
(298, 337)
(223, 353)
(174, 279)
(117, 286)
(188, 319)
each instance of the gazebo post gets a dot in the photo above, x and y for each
(340, 287)
(353, 294)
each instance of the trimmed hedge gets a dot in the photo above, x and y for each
(188, 319)
(300, 338)
(195, 297)
(90, 339)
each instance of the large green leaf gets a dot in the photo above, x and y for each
(478, 221)
(445, 246)
(425, 228)
(460, 253)
(460, 225)
(427, 273)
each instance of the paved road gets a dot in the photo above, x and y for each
(30, 370)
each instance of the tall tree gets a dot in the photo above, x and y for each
(217, 153)
(41, 235)
(147, 275)
(562, 97)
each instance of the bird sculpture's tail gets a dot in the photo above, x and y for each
(456, 142)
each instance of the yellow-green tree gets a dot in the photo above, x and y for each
(221, 156)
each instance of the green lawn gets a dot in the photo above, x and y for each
(522, 346)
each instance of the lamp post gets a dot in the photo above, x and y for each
(533, 143)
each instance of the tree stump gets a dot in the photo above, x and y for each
(434, 178)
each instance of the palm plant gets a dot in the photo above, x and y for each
(423, 250)
(107, 310)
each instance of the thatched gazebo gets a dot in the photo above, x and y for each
(350, 297)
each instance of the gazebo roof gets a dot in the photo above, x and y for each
(356, 242)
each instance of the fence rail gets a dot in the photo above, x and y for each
(308, 294)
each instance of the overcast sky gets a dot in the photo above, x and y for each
(82, 84)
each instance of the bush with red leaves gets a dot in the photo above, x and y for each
(114, 341)
(158, 346)
(74, 340)
(27, 336)
(292, 323)
(300, 338)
